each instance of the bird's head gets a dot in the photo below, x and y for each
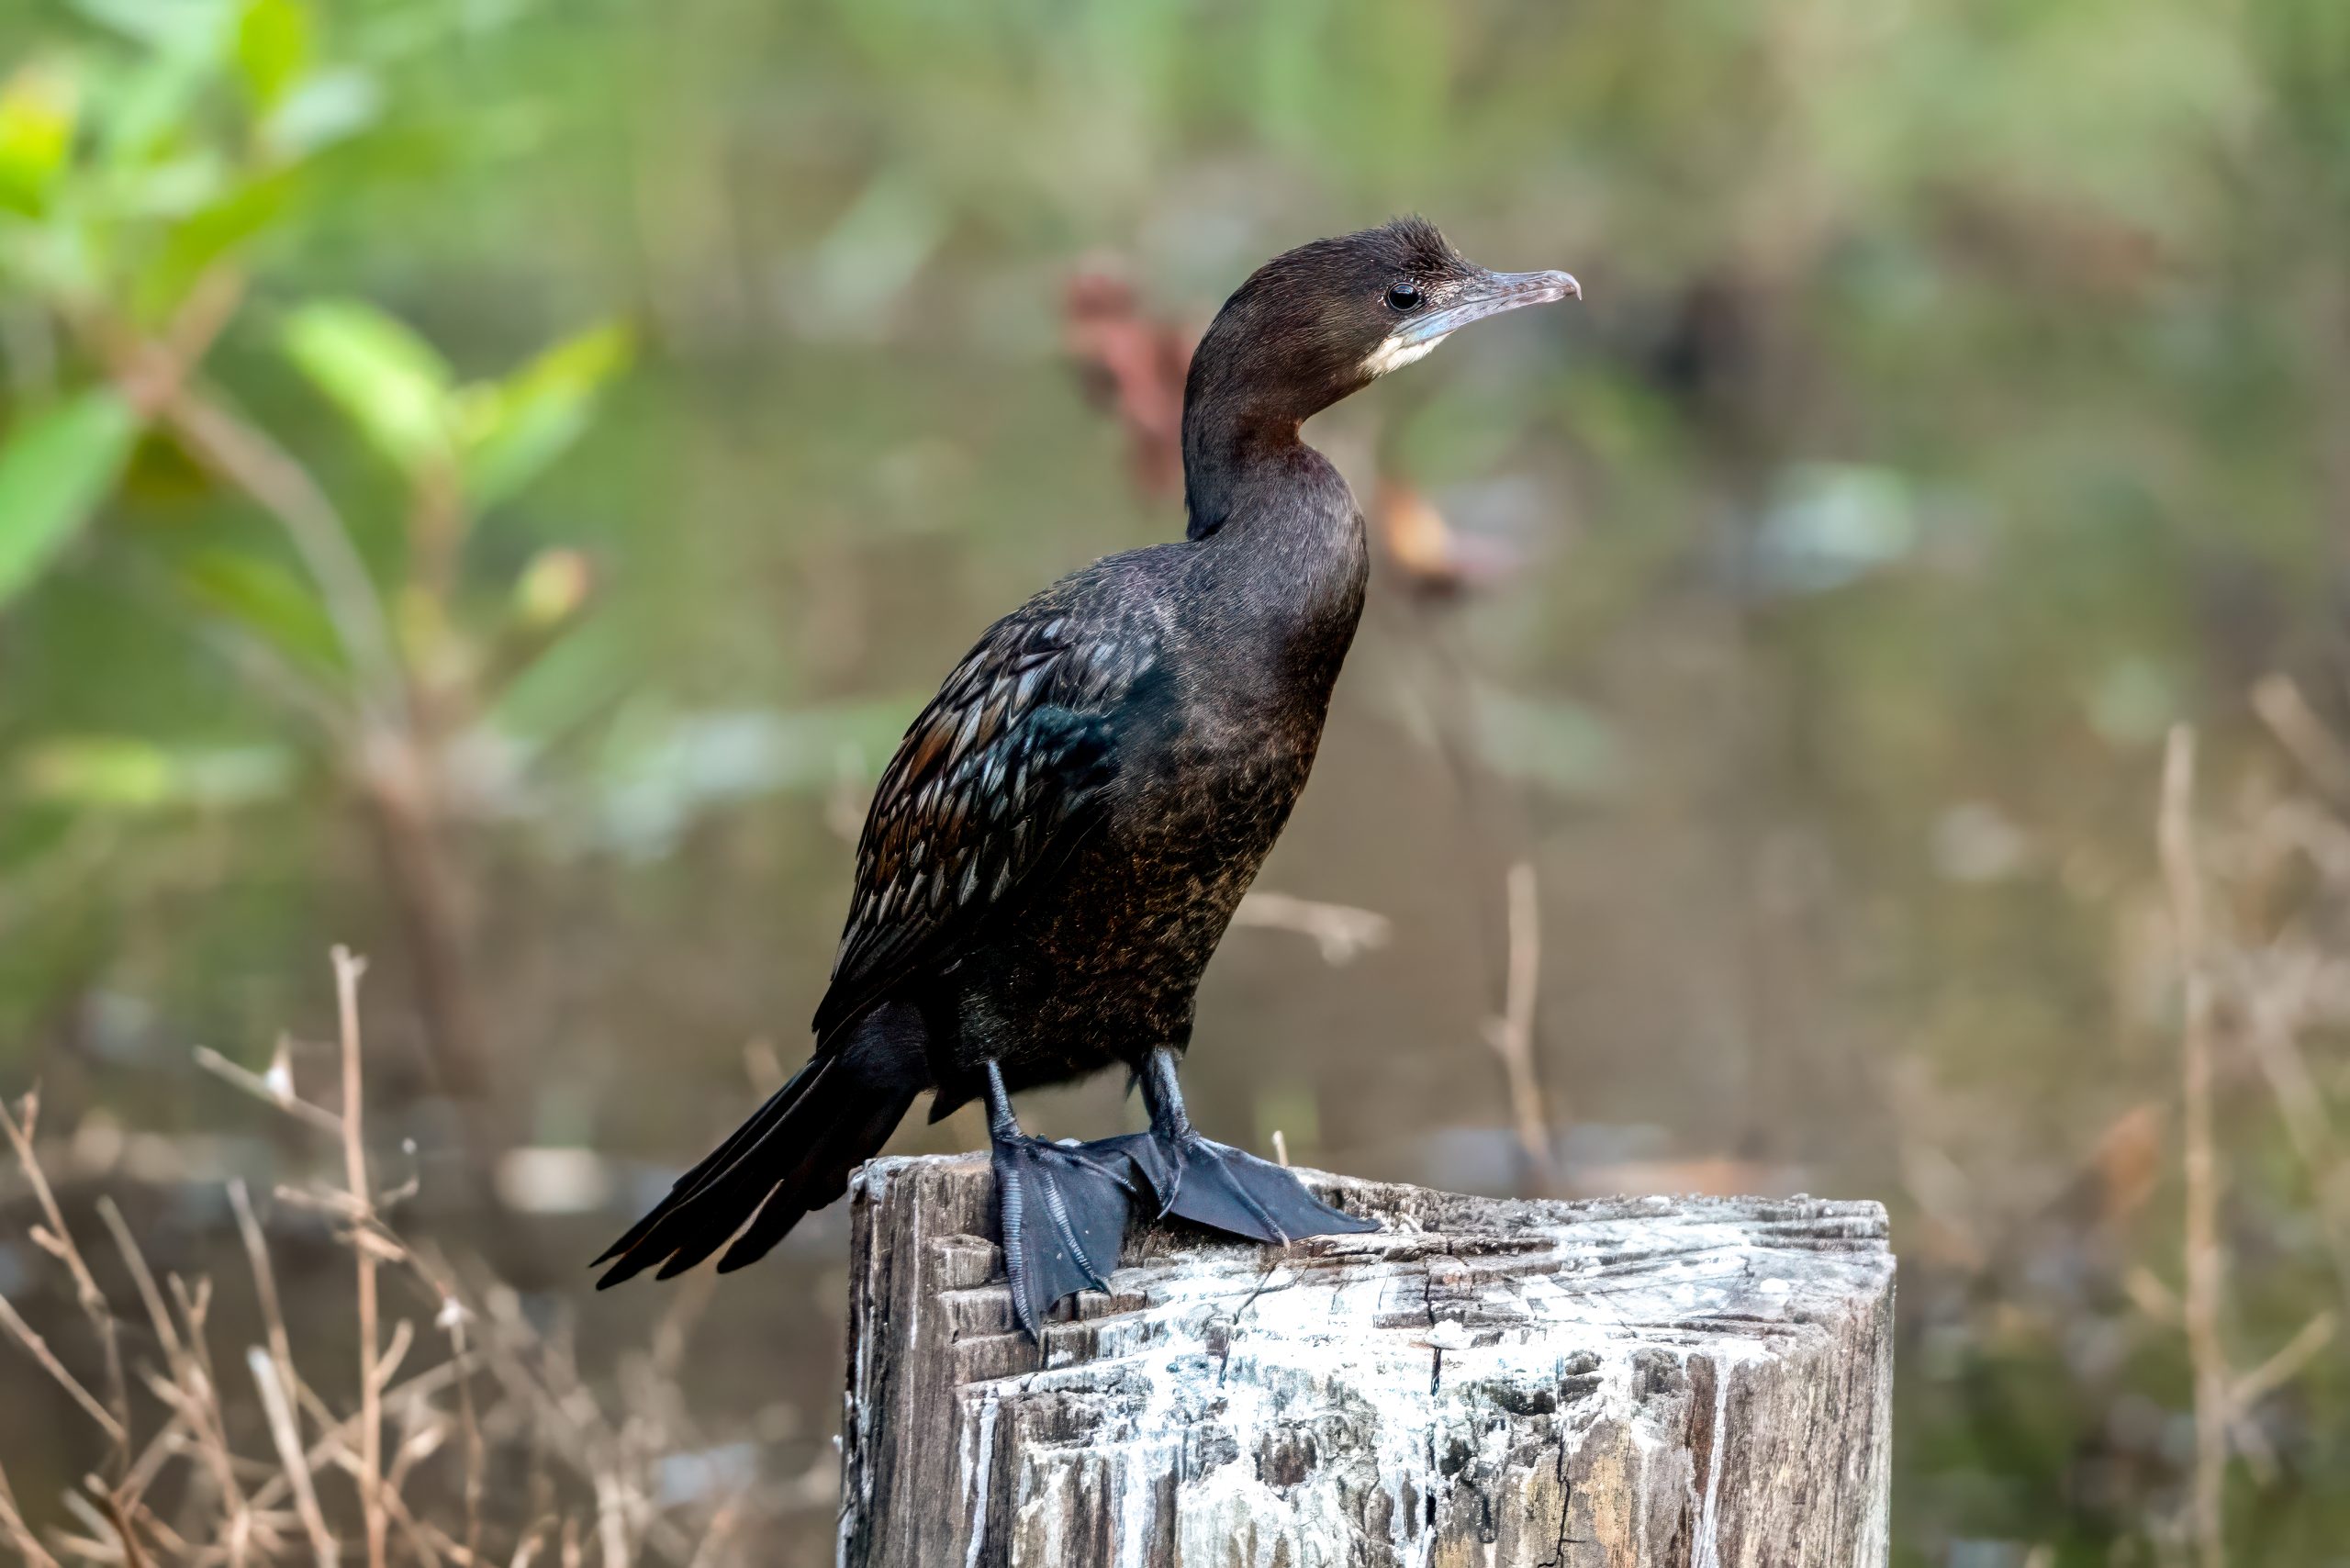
(1317, 323)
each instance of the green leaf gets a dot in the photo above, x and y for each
(152, 109)
(327, 107)
(214, 230)
(37, 113)
(159, 23)
(125, 773)
(273, 50)
(388, 382)
(514, 429)
(55, 469)
(265, 599)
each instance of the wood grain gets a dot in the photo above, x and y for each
(1638, 1381)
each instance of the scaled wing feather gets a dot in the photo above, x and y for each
(994, 780)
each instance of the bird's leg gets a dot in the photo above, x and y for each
(1062, 1212)
(1211, 1184)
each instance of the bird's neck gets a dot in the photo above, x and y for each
(1243, 402)
(1281, 548)
(1234, 454)
(1280, 528)
(1265, 491)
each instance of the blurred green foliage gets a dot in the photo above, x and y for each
(567, 440)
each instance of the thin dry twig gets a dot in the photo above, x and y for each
(54, 1238)
(194, 1414)
(118, 1519)
(235, 1510)
(347, 969)
(2278, 700)
(454, 1319)
(38, 1348)
(143, 1279)
(280, 1095)
(272, 1312)
(2274, 1005)
(195, 1304)
(1512, 1034)
(1342, 931)
(340, 1436)
(2204, 1262)
(278, 1407)
(17, 1532)
(721, 1532)
(2283, 1367)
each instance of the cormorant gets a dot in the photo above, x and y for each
(1058, 843)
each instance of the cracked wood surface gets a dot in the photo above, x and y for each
(1504, 1384)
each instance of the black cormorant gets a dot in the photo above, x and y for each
(1055, 850)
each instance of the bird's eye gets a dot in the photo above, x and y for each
(1405, 296)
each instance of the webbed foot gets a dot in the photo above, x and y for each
(1228, 1189)
(1061, 1210)
(1214, 1184)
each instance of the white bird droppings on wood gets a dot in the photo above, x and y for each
(1482, 1385)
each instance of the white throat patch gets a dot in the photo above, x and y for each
(1394, 355)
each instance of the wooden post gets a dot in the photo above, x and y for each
(1636, 1381)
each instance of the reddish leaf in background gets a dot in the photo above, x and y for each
(1435, 559)
(1132, 366)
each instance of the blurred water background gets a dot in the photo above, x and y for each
(486, 481)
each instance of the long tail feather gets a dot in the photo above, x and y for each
(793, 1154)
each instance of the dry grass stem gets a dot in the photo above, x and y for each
(194, 1416)
(2204, 1263)
(276, 1405)
(1512, 1034)
(420, 1438)
(38, 1348)
(2284, 1366)
(14, 1529)
(53, 1237)
(2275, 1003)
(347, 969)
(2278, 700)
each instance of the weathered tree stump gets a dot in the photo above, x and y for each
(1638, 1381)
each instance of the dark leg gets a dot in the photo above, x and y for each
(1062, 1212)
(1211, 1184)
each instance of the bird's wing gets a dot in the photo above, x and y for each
(993, 782)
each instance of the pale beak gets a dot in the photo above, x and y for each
(1488, 294)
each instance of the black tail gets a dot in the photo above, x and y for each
(794, 1156)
